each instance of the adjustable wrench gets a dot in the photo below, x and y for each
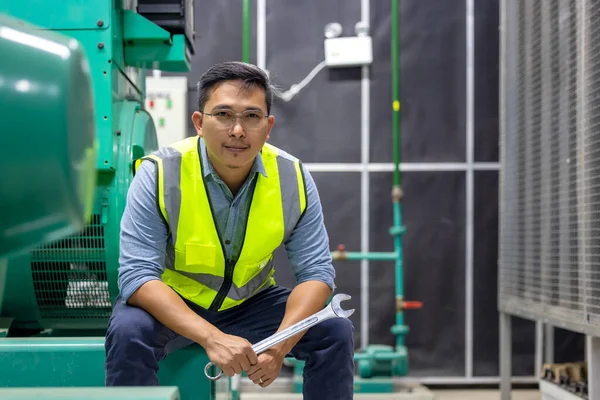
(333, 310)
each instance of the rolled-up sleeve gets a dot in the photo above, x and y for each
(308, 245)
(143, 235)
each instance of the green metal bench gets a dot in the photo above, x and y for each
(61, 363)
(100, 393)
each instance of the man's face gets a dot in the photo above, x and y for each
(232, 142)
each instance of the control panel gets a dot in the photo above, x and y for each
(166, 101)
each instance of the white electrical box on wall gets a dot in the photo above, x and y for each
(166, 101)
(348, 51)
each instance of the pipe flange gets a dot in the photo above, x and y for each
(397, 194)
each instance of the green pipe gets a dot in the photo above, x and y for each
(399, 271)
(396, 193)
(373, 256)
(387, 356)
(395, 93)
(246, 33)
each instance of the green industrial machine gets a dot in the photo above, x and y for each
(72, 92)
(48, 149)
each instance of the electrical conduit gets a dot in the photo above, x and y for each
(246, 33)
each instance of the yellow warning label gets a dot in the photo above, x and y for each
(396, 105)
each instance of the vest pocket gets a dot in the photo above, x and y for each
(198, 258)
(185, 286)
(244, 275)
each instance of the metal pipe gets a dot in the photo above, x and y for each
(390, 356)
(373, 256)
(365, 190)
(548, 343)
(246, 32)
(505, 356)
(539, 348)
(411, 166)
(592, 356)
(470, 207)
(261, 34)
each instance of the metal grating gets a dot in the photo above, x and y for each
(69, 276)
(549, 266)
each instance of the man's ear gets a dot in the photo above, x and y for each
(271, 121)
(198, 119)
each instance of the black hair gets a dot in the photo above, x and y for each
(250, 74)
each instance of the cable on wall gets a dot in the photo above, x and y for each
(297, 87)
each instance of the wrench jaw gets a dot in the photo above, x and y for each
(337, 309)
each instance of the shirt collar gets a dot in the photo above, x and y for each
(257, 167)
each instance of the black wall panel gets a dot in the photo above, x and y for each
(218, 35)
(322, 122)
(381, 83)
(568, 346)
(432, 82)
(485, 269)
(487, 70)
(434, 261)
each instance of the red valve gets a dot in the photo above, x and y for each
(340, 253)
(412, 305)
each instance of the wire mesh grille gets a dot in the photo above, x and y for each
(549, 265)
(69, 276)
(591, 155)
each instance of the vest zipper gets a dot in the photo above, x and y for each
(227, 282)
(230, 266)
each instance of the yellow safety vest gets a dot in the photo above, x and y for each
(195, 266)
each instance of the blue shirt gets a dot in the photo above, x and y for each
(144, 236)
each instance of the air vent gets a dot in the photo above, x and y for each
(69, 276)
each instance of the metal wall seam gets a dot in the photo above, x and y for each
(404, 167)
(470, 195)
(261, 34)
(365, 121)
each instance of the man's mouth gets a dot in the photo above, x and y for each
(236, 149)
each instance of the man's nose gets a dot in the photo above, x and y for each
(237, 130)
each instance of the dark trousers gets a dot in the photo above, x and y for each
(136, 342)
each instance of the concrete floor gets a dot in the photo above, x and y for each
(477, 394)
(449, 394)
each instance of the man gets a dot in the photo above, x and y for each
(202, 220)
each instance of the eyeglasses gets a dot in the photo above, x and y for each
(251, 120)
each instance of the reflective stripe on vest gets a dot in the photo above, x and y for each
(196, 267)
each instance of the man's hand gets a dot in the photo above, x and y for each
(268, 368)
(305, 299)
(231, 353)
